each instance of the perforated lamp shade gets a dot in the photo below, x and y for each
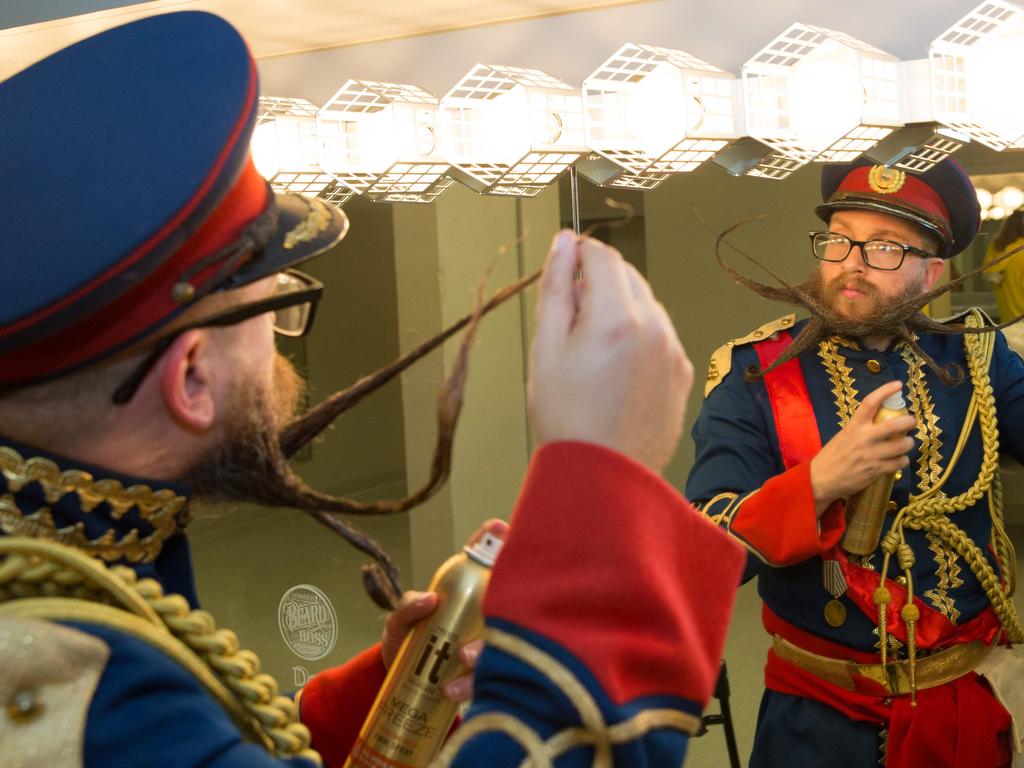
(380, 139)
(510, 131)
(650, 112)
(972, 65)
(817, 94)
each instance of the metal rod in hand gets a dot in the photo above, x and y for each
(574, 197)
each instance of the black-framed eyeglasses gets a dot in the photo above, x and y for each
(293, 303)
(877, 254)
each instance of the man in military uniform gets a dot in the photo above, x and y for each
(880, 651)
(147, 268)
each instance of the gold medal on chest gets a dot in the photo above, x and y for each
(835, 613)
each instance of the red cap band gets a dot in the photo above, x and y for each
(150, 302)
(898, 189)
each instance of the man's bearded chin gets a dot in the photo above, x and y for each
(248, 465)
(871, 315)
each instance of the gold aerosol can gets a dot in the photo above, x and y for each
(865, 510)
(411, 716)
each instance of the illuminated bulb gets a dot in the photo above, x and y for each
(1009, 198)
(285, 147)
(984, 198)
(380, 139)
(264, 150)
(826, 96)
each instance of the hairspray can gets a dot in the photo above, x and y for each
(865, 510)
(411, 716)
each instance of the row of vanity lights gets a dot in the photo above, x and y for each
(812, 94)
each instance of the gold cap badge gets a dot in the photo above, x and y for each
(886, 181)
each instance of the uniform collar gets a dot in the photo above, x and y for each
(113, 517)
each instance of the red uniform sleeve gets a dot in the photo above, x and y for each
(608, 560)
(335, 703)
(779, 523)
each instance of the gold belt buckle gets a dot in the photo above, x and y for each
(894, 677)
(898, 674)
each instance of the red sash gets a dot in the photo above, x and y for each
(795, 422)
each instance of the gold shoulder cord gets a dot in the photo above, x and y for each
(930, 512)
(594, 732)
(50, 581)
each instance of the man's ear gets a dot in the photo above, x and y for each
(186, 381)
(933, 270)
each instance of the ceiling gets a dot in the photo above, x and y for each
(29, 31)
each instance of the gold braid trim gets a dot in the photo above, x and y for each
(46, 580)
(930, 510)
(949, 578)
(929, 434)
(841, 376)
(594, 733)
(159, 508)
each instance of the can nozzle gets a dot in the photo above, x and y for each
(485, 551)
(895, 401)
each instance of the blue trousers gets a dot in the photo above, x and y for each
(794, 732)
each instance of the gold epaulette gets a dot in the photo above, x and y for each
(721, 359)
(980, 316)
(50, 582)
(48, 674)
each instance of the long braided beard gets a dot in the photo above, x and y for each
(898, 318)
(262, 431)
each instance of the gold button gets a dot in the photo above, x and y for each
(901, 580)
(183, 293)
(898, 476)
(712, 375)
(24, 706)
(874, 366)
(758, 334)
